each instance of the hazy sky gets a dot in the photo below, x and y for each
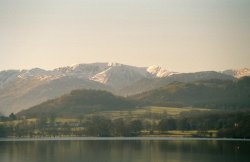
(181, 35)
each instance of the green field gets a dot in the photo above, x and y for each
(150, 114)
(147, 113)
(180, 133)
(15, 122)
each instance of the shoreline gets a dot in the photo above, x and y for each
(121, 139)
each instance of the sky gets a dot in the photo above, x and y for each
(180, 35)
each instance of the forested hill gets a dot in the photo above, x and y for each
(203, 94)
(209, 94)
(79, 102)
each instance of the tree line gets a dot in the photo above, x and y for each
(228, 124)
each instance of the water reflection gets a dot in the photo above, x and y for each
(124, 151)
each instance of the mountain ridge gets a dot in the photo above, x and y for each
(90, 71)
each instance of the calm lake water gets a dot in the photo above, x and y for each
(124, 150)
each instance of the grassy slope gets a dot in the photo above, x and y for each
(211, 94)
(150, 112)
(79, 102)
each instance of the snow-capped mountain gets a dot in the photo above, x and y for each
(81, 70)
(36, 73)
(119, 75)
(21, 89)
(113, 74)
(238, 73)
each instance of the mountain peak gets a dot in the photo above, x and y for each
(158, 71)
(114, 64)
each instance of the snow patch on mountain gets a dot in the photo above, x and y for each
(159, 72)
(81, 70)
(102, 77)
(119, 75)
(36, 73)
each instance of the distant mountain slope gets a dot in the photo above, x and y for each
(149, 84)
(238, 73)
(210, 94)
(79, 102)
(22, 94)
(119, 76)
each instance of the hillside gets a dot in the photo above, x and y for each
(77, 103)
(207, 94)
(154, 83)
(202, 94)
(22, 94)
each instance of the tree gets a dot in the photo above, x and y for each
(3, 131)
(119, 127)
(182, 124)
(52, 119)
(135, 127)
(42, 122)
(99, 126)
(12, 116)
(167, 124)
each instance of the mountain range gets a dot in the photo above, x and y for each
(21, 89)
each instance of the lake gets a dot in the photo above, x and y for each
(124, 150)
